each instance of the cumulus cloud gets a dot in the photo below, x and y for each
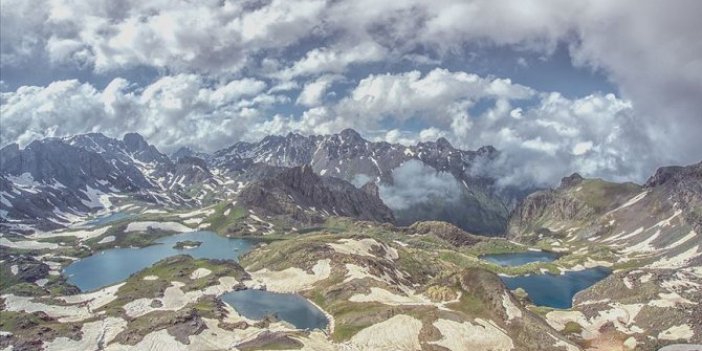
(416, 183)
(313, 93)
(205, 49)
(172, 111)
(597, 135)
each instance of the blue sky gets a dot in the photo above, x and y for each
(590, 86)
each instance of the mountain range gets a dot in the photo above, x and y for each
(357, 227)
(52, 181)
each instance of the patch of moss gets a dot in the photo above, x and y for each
(470, 305)
(24, 289)
(271, 341)
(31, 328)
(572, 328)
(599, 194)
(175, 268)
(221, 223)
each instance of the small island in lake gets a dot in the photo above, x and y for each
(187, 244)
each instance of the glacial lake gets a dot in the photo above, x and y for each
(115, 265)
(520, 258)
(295, 309)
(556, 291)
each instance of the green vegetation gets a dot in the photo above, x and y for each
(175, 268)
(37, 325)
(599, 194)
(23, 289)
(572, 328)
(226, 224)
(271, 341)
(470, 305)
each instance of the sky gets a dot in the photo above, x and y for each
(610, 89)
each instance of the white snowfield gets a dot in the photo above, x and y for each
(28, 245)
(363, 247)
(174, 298)
(82, 235)
(80, 306)
(466, 336)
(293, 279)
(404, 335)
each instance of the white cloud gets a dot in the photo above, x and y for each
(438, 97)
(333, 60)
(313, 92)
(582, 147)
(416, 183)
(173, 111)
(655, 65)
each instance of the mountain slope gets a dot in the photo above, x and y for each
(306, 197)
(55, 181)
(481, 208)
(658, 223)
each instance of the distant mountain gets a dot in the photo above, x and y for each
(303, 196)
(53, 181)
(481, 208)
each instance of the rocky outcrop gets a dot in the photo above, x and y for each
(483, 209)
(54, 179)
(307, 197)
(660, 221)
(684, 186)
(449, 232)
(191, 170)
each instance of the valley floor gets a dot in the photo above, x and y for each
(380, 287)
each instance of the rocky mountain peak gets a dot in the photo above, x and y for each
(297, 191)
(192, 160)
(303, 178)
(350, 134)
(182, 152)
(571, 180)
(665, 175)
(443, 143)
(371, 189)
(135, 142)
(487, 150)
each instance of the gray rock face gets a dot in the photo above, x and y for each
(191, 170)
(53, 179)
(482, 209)
(307, 197)
(665, 214)
(683, 185)
(682, 347)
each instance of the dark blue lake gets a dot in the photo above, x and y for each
(255, 304)
(556, 291)
(520, 258)
(115, 265)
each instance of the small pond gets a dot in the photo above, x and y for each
(295, 309)
(556, 291)
(520, 258)
(115, 265)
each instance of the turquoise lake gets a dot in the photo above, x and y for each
(111, 266)
(256, 304)
(556, 291)
(550, 290)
